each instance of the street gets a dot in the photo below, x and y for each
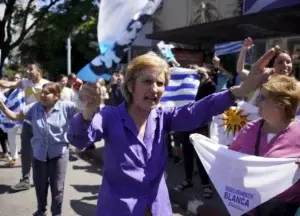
(81, 187)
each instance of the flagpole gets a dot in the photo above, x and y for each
(69, 54)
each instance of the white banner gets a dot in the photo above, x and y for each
(244, 181)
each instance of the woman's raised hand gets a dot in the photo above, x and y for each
(248, 43)
(261, 64)
(90, 94)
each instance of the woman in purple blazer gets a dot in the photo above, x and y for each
(135, 154)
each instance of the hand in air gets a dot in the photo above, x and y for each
(248, 43)
(90, 94)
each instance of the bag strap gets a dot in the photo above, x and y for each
(257, 143)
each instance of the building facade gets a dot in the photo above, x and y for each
(179, 13)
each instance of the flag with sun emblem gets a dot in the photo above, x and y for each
(243, 181)
(226, 126)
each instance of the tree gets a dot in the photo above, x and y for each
(47, 44)
(19, 20)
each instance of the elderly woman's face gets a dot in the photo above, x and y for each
(283, 64)
(148, 88)
(269, 109)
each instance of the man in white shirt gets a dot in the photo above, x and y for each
(33, 88)
(66, 92)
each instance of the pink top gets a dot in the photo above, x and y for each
(285, 144)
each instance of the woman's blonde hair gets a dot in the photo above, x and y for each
(148, 60)
(286, 91)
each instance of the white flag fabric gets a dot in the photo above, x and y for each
(226, 126)
(244, 181)
(119, 23)
(182, 88)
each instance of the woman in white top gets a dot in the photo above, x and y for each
(280, 62)
(104, 93)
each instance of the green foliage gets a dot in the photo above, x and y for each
(47, 44)
(9, 70)
(18, 20)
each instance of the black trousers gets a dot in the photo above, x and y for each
(3, 141)
(189, 155)
(50, 173)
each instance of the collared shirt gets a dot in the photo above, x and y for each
(49, 129)
(285, 144)
(133, 166)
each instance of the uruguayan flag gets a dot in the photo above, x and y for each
(182, 88)
(15, 102)
(244, 181)
(225, 127)
(119, 23)
(252, 6)
(227, 48)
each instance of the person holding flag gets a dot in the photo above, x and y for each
(275, 61)
(32, 87)
(275, 135)
(15, 99)
(135, 154)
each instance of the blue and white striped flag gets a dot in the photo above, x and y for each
(182, 88)
(15, 102)
(228, 48)
(251, 6)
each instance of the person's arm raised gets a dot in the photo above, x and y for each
(261, 64)
(217, 64)
(86, 127)
(240, 66)
(10, 84)
(193, 115)
(15, 116)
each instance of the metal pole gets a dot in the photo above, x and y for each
(129, 55)
(69, 54)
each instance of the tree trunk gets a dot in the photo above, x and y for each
(4, 54)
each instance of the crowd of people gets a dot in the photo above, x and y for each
(137, 131)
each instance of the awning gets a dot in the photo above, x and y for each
(281, 22)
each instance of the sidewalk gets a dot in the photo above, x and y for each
(191, 199)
